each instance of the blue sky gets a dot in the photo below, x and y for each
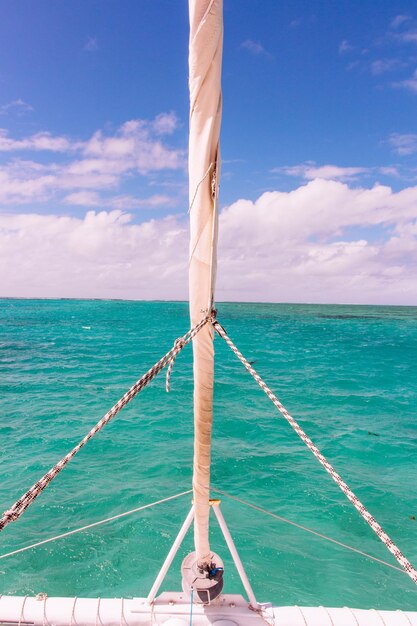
(319, 145)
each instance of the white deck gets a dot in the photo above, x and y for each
(173, 609)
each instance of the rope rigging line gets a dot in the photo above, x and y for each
(179, 343)
(93, 524)
(27, 498)
(392, 547)
(184, 493)
(308, 530)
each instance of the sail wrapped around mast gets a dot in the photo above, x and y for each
(205, 56)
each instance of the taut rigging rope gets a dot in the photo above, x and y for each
(27, 498)
(168, 359)
(308, 530)
(94, 524)
(184, 493)
(392, 547)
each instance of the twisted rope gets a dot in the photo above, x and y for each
(180, 344)
(392, 547)
(94, 524)
(308, 530)
(27, 498)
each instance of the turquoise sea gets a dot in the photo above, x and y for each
(348, 374)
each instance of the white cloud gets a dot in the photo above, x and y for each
(404, 144)
(403, 29)
(409, 83)
(91, 45)
(390, 170)
(255, 48)
(133, 146)
(152, 202)
(382, 66)
(101, 255)
(399, 20)
(345, 46)
(19, 106)
(121, 202)
(102, 162)
(28, 182)
(165, 123)
(409, 36)
(293, 246)
(83, 198)
(310, 171)
(43, 141)
(306, 245)
(24, 181)
(394, 46)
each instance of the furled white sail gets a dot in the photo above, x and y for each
(205, 56)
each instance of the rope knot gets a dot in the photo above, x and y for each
(11, 515)
(179, 343)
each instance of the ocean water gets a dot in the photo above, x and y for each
(346, 373)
